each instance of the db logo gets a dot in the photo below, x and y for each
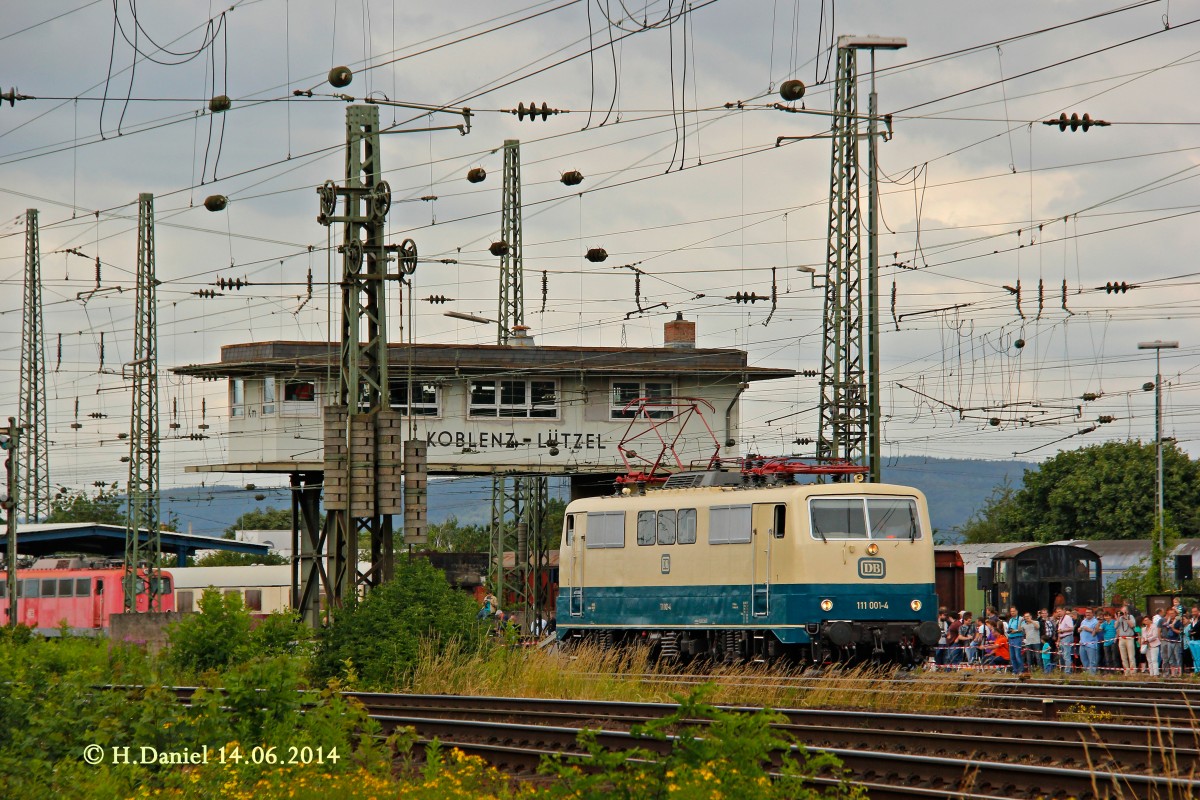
(871, 568)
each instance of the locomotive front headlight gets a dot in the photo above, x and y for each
(872, 549)
(827, 605)
(915, 605)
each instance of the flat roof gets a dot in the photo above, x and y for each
(257, 358)
(47, 539)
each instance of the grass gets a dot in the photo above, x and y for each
(630, 675)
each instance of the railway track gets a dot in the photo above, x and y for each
(892, 755)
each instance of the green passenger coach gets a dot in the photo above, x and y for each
(814, 572)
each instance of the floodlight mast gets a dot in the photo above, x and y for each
(1158, 346)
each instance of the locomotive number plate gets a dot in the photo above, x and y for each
(872, 605)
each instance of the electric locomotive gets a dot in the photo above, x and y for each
(707, 566)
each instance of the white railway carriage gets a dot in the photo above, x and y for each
(264, 589)
(816, 572)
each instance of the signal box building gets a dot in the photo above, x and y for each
(494, 409)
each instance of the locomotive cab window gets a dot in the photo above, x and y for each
(83, 587)
(570, 523)
(48, 587)
(838, 519)
(779, 521)
(863, 518)
(65, 587)
(893, 519)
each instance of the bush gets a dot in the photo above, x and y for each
(215, 638)
(733, 756)
(376, 641)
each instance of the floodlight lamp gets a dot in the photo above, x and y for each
(872, 42)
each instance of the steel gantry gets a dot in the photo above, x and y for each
(143, 423)
(518, 502)
(33, 495)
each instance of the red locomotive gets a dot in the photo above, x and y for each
(58, 591)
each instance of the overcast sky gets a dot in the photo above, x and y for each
(671, 123)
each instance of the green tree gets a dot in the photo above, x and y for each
(226, 558)
(377, 639)
(1105, 491)
(261, 519)
(105, 507)
(450, 537)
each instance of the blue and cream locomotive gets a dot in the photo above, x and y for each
(814, 572)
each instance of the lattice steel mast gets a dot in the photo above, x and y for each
(33, 499)
(363, 436)
(143, 434)
(844, 401)
(518, 503)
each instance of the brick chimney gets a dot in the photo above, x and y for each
(679, 333)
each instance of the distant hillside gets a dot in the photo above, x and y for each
(209, 510)
(954, 487)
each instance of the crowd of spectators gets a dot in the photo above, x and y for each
(1166, 642)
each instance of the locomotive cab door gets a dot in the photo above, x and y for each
(768, 521)
(575, 544)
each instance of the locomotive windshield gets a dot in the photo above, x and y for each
(863, 518)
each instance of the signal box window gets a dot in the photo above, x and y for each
(514, 399)
(237, 397)
(625, 392)
(424, 398)
(299, 392)
(268, 403)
